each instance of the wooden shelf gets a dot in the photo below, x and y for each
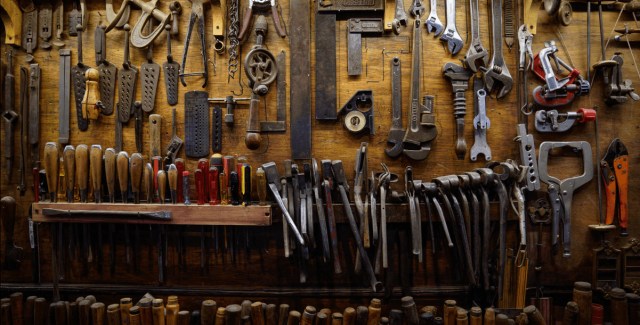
(206, 215)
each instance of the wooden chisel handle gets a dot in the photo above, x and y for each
(134, 315)
(40, 311)
(51, 166)
(69, 161)
(374, 312)
(5, 313)
(232, 315)
(208, 312)
(502, 319)
(172, 175)
(199, 176)
(362, 315)
(146, 315)
(349, 316)
(136, 169)
(16, 307)
(113, 314)
(450, 312)
(110, 172)
(462, 317)
(162, 185)
(82, 171)
(257, 314)
(97, 313)
(336, 319)
(570, 316)
(122, 168)
(476, 316)
(489, 316)
(283, 314)
(158, 312)
(308, 316)
(84, 311)
(95, 165)
(294, 318)
(220, 316)
(60, 313)
(534, 315)
(125, 304)
(322, 319)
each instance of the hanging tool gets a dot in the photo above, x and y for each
(616, 88)
(51, 166)
(414, 212)
(9, 116)
(481, 123)
(508, 21)
(525, 39)
(343, 187)
(232, 34)
(77, 17)
(176, 143)
(477, 56)
(196, 17)
(434, 25)
(528, 158)
(108, 71)
(450, 35)
(138, 123)
(459, 78)
(359, 180)
(357, 28)
(64, 95)
(328, 185)
(91, 105)
(496, 75)
(279, 125)
(561, 191)
(149, 11)
(69, 160)
(45, 25)
(260, 6)
(58, 19)
(396, 133)
(615, 174)
(79, 84)
(359, 113)
(300, 76)
(383, 182)
(556, 92)
(150, 72)
(399, 18)
(196, 124)
(30, 33)
(553, 121)
(110, 172)
(124, 18)
(261, 69)
(421, 129)
(13, 253)
(273, 179)
(325, 54)
(322, 220)
(218, 29)
(126, 82)
(171, 70)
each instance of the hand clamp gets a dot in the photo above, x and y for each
(561, 191)
(554, 121)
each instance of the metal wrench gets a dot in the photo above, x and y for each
(400, 18)
(481, 123)
(434, 25)
(496, 75)
(477, 55)
(450, 35)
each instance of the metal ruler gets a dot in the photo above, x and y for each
(300, 88)
(326, 67)
(64, 96)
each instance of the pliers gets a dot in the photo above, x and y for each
(197, 16)
(261, 6)
(615, 175)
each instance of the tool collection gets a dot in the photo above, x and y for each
(464, 218)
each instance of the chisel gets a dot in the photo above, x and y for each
(60, 313)
(147, 182)
(40, 311)
(51, 166)
(158, 312)
(294, 318)
(172, 174)
(349, 316)
(183, 317)
(136, 165)
(208, 312)
(82, 171)
(374, 312)
(95, 165)
(84, 312)
(122, 169)
(173, 307)
(161, 177)
(125, 304)
(110, 173)
(336, 319)
(15, 300)
(156, 163)
(257, 314)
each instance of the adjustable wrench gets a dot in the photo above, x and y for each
(477, 55)
(450, 35)
(434, 25)
(400, 18)
(481, 123)
(496, 75)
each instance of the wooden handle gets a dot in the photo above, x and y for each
(146, 315)
(462, 317)
(270, 315)
(570, 316)
(253, 139)
(82, 168)
(113, 314)
(374, 312)
(134, 315)
(214, 188)
(28, 310)
(323, 319)
(246, 308)
(158, 312)
(308, 316)
(232, 315)
(95, 164)
(97, 313)
(208, 307)
(147, 182)
(220, 316)
(156, 164)
(199, 177)
(183, 317)
(110, 172)
(336, 319)
(476, 316)
(16, 305)
(172, 174)
(294, 318)
(73, 312)
(136, 165)
(349, 316)
(122, 167)
(125, 304)
(203, 165)
(155, 134)
(69, 161)
(362, 314)
(40, 311)
(489, 316)
(535, 318)
(162, 185)
(51, 166)
(502, 319)
(449, 312)
(84, 312)
(5, 313)
(60, 313)
(8, 209)
(411, 311)
(257, 314)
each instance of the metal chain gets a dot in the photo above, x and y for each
(234, 43)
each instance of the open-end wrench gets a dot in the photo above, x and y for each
(434, 25)
(496, 75)
(400, 18)
(477, 55)
(450, 35)
(481, 123)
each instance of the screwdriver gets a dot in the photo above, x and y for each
(51, 166)
(172, 174)
(110, 172)
(69, 160)
(95, 165)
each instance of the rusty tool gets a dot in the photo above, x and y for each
(13, 253)
(396, 133)
(260, 6)
(171, 70)
(9, 116)
(108, 71)
(126, 82)
(79, 84)
(149, 11)
(95, 165)
(197, 16)
(459, 78)
(496, 74)
(24, 126)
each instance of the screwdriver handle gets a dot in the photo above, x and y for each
(51, 166)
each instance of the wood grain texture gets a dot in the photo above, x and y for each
(265, 259)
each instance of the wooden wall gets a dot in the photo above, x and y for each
(263, 272)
